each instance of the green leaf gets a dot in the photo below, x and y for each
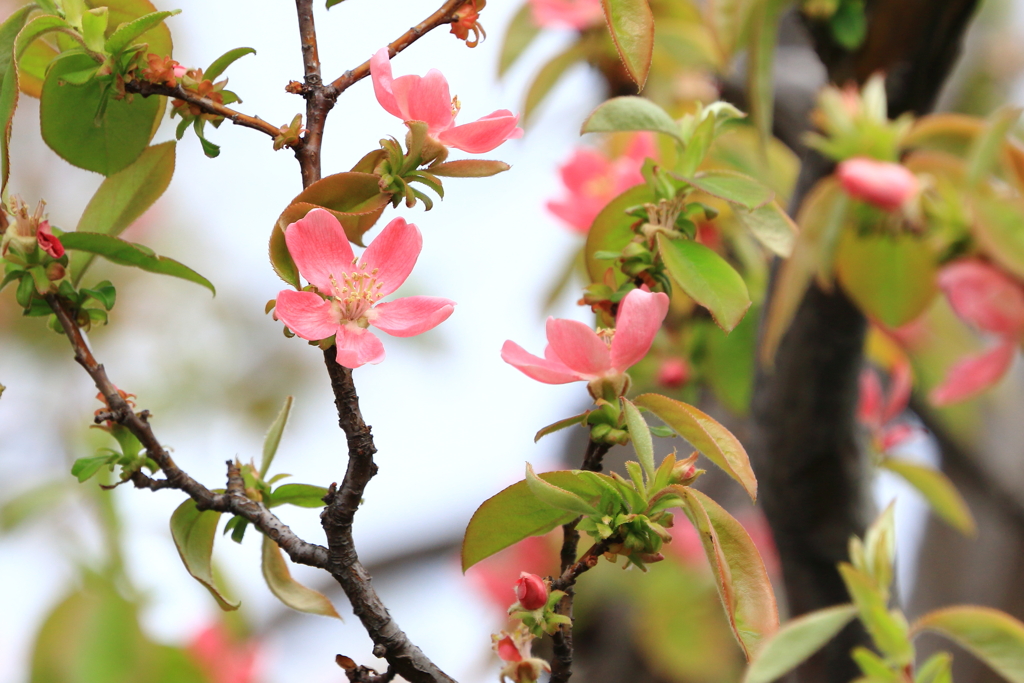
(193, 533)
(992, 636)
(631, 113)
(631, 24)
(733, 187)
(9, 31)
(849, 24)
(355, 200)
(730, 362)
(520, 33)
(742, 581)
(986, 148)
(273, 438)
(772, 227)
(938, 669)
(550, 74)
(288, 590)
(938, 490)
(889, 634)
(892, 279)
(561, 424)
(86, 126)
(301, 495)
(123, 197)
(706, 435)
(997, 228)
(515, 513)
(764, 34)
(727, 19)
(707, 278)
(640, 435)
(612, 231)
(157, 38)
(469, 168)
(557, 497)
(697, 146)
(281, 259)
(128, 32)
(796, 641)
(225, 60)
(117, 250)
(85, 468)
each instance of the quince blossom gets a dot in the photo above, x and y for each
(576, 353)
(427, 99)
(577, 14)
(349, 289)
(878, 412)
(592, 180)
(880, 183)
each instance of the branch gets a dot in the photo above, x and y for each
(263, 519)
(147, 88)
(445, 15)
(390, 642)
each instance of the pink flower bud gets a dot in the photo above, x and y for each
(180, 70)
(49, 242)
(507, 650)
(531, 591)
(883, 184)
(673, 373)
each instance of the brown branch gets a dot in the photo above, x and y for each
(147, 88)
(298, 550)
(319, 100)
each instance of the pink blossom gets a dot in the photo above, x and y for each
(576, 353)
(974, 374)
(49, 242)
(349, 289)
(673, 373)
(531, 591)
(883, 184)
(179, 70)
(592, 180)
(878, 412)
(577, 14)
(222, 659)
(507, 650)
(427, 99)
(535, 554)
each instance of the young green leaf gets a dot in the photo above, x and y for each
(561, 424)
(706, 435)
(879, 549)
(469, 168)
(697, 146)
(986, 148)
(85, 468)
(631, 24)
(123, 197)
(355, 200)
(733, 187)
(520, 33)
(796, 641)
(764, 33)
(301, 495)
(281, 259)
(992, 636)
(557, 497)
(225, 60)
(888, 632)
(631, 113)
(117, 250)
(938, 490)
(707, 278)
(193, 532)
(273, 438)
(640, 435)
(772, 227)
(996, 226)
(612, 231)
(938, 669)
(128, 32)
(288, 590)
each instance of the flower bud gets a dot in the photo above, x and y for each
(883, 184)
(531, 591)
(49, 242)
(507, 650)
(55, 271)
(673, 373)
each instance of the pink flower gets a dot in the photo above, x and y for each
(426, 98)
(883, 184)
(576, 353)
(531, 591)
(49, 242)
(974, 374)
(507, 650)
(878, 412)
(222, 659)
(673, 373)
(349, 288)
(592, 180)
(577, 14)
(179, 70)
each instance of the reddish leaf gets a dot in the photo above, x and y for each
(631, 23)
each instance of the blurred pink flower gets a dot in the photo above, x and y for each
(878, 412)
(427, 99)
(883, 184)
(577, 14)
(592, 180)
(535, 554)
(673, 373)
(221, 658)
(350, 288)
(576, 353)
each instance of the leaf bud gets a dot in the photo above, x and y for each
(531, 591)
(55, 271)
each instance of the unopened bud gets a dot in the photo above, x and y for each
(55, 271)
(883, 184)
(650, 558)
(673, 373)
(531, 591)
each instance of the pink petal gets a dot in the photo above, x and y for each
(984, 296)
(404, 87)
(358, 346)
(543, 370)
(901, 382)
(578, 213)
(884, 184)
(380, 74)
(49, 242)
(577, 14)
(578, 347)
(897, 435)
(306, 314)
(393, 254)
(583, 167)
(641, 147)
(431, 102)
(869, 407)
(319, 247)
(639, 319)
(484, 134)
(412, 315)
(974, 374)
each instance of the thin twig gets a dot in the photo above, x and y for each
(319, 100)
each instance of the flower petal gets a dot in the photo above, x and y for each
(393, 254)
(380, 74)
(484, 134)
(358, 346)
(411, 315)
(584, 167)
(900, 384)
(578, 347)
(639, 319)
(319, 247)
(431, 102)
(974, 374)
(869, 407)
(540, 369)
(898, 435)
(403, 87)
(984, 296)
(306, 314)
(881, 183)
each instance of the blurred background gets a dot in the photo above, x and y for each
(453, 423)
